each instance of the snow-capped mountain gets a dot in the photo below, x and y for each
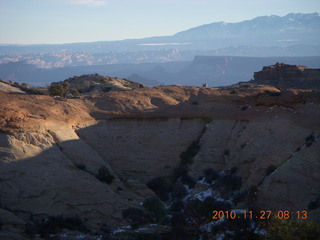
(265, 30)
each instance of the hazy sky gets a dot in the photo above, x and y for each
(65, 21)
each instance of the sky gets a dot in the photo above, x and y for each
(70, 21)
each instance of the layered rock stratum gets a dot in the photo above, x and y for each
(92, 157)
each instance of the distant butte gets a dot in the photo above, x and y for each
(288, 76)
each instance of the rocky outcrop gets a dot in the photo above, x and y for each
(94, 83)
(265, 154)
(51, 184)
(288, 76)
(12, 227)
(4, 87)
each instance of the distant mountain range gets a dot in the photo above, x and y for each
(261, 31)
(266, 31)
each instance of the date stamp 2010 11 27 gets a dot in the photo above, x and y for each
(261, 215)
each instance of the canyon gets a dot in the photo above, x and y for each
(93, 157)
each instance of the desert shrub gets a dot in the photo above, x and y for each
(176, 205)
(105, 229)
(25, 85)
(203, 209)
(180, 174)
(310, 138)
(236, 229)
(104, 175)
(53, 224)
(188, 180)
(188, 155)
(106, 89)
(58, 89)
(232, 170)
(162, 186)
(234, 91)
(34, 91)
(178, 221)
(209, 175)
(155, 206)
(283, 229)
(30, 229)
(229, 183)
(136, 216)
(73, 223)
(74, 92)
(239, 196)
(308, 144)
(179, 191)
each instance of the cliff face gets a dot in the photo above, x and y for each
(288, 76)
(92, 157)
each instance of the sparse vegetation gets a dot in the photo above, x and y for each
(234, 91)
(136, 216)
(180, 174)
(59, 89)
(190, 212)
(247, 85)
(228, 182)
(53, 224)
(309, 140)
(162, 186)
(203, 209)
(179, 191)
(283, 229)
(155, 206)
(209, 175)
(188, 155)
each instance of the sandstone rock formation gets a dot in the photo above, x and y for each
(93, 83)
(92, 157)
(288, 76)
